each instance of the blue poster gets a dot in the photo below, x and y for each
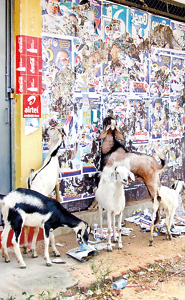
(138, 24)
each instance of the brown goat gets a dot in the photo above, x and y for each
(113, 153)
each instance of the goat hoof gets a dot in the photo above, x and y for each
(7, 261)
(48, 264)
(168, 238)
(115, 241)
(56, 254)
(23, 267)
(34, 255)
(150, 243)
(25, 250)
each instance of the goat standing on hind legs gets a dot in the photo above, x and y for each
(113, 153)
(45, 180)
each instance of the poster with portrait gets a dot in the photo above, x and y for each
(159, 118)
(160, 70)
(179, 35)
(117, 13)
(156, 20)
(139, 73)
(138, 117)
(177, 74)
(176, 121)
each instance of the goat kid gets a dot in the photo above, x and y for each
(45, 180)
(111, 197)
(27, 207)
(167, 201)
(145, 167)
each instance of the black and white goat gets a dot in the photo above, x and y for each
(45, 180)
(111, 197)
(27, 207)
(167, 201)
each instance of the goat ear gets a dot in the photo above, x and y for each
(119, 135)
(132, 176)
(112, 176)
(103, 134)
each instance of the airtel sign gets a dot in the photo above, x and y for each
(31, 106)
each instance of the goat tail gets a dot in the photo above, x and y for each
(29, 179)
(1, 204)
(162, 158)
(1, 220)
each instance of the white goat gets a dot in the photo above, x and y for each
(45, 180)
(26, 207)
(167, 201)
(111, 196)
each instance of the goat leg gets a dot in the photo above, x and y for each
(33, 244)
(15, 242)
(168, 233)
(94, 206)
(154, 211)
(46, 242)
(34, 240)
(167, 224)
(109, 246)
(4, 238)
(101, 223)
(26, 232)
(46, 253)
(52, 238)
(115, 239)
(151, 234)
(120, 245)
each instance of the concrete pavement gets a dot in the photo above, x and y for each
(35, 279)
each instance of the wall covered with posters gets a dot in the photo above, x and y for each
(100, 58)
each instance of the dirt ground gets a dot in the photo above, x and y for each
(150, 271)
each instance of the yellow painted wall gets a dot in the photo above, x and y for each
(28, 149)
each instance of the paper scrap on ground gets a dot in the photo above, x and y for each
(97, 232)
(144, 220)
(82, 254)
(102, 246)
(58, 261)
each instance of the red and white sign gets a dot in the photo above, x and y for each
(28, 65)
(31, 106)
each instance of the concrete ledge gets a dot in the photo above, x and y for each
(92, 217)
